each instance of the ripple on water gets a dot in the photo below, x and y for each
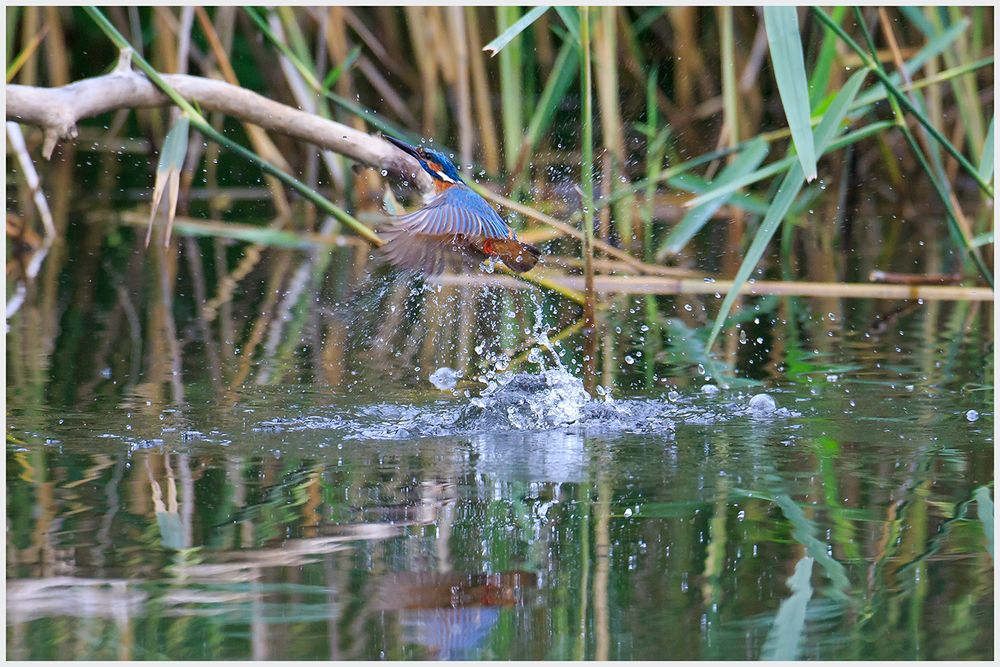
(526, 402)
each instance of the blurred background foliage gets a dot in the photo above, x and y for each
(687, 102)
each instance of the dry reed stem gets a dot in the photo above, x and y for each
(635, 264)
(658, 285)
(481, 91)
(463, 97)
(258, 137)
(20, 150)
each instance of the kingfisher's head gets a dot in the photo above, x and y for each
(434, 162)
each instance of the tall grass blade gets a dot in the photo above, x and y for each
(786, 633)
(915, 16)
(656, 148)
(983, 239)
(937, 45)
(787, 192)
(646, 19)
(168, 174)
(820, 78)
(587, 185)
(782, 25)
(564, 72)
(504, 38)
(571, 18)
(904, 101)
(698, 185)
(18, 62)
(511, 90)
(308, 72)
(986, 161)
(331, 79)
(804, 532)
(692, 222)
(781, 165)
(984, 508)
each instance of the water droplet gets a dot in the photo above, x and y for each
(972, 415)
(445, 378)
(762, 404)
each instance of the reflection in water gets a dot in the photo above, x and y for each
(452, 615)
(292, 523)
(730, 537)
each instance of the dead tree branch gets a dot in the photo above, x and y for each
(58, 110)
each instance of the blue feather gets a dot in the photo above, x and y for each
(457, 210)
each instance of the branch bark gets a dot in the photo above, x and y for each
(58, 110)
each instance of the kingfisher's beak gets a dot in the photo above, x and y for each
(401, 145)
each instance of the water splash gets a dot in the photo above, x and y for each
(445, 378)
(762, 404)
(517, 401)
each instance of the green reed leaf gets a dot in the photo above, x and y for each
(781, 165)
(983, 239)
(168, 174)
(785, 637)
(787, 192)
(571, 18)
(984, 508)
(692, 222)
(782, 25)
(334, 75)
(504, 38)
(564, 72)
(820, 78)
(986, 161)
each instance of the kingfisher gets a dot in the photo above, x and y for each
(457, 228)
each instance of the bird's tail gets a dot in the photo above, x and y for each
(519, 257)
(432, 254)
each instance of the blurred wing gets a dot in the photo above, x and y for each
(439, 235)
(457, 210)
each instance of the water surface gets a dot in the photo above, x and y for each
(523, 522)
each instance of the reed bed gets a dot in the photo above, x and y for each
(650, 143)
